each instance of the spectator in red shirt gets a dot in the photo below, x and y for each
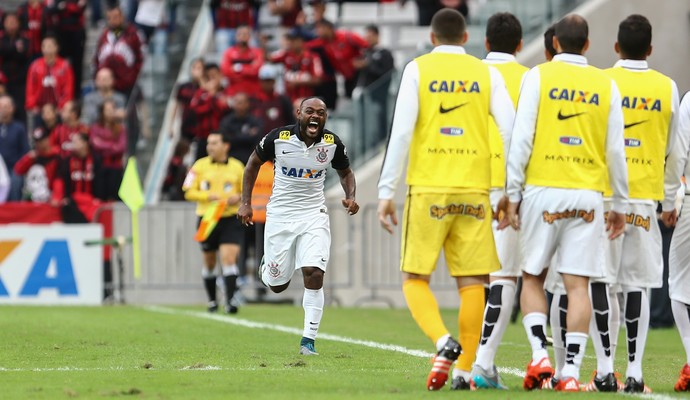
(228, 16)
(287, 10)
(14, 61)
(61, 137)
(108, 139)
(341, 48)
(303, 69)
(119, 48)
(78, 181)
(185, 93)
(50, 79)
(38, 167)
(34, 19)
(209, 104)
(67, 21)
(271, 108)
(241, 63)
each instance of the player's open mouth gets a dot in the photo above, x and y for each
(313, 126)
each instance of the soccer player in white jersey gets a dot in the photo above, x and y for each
(503, 41)
(567, 140)
(634, 261)
(297, 225)
(679, 255)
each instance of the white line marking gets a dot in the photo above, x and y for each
(326, 336)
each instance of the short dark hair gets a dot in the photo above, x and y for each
(503, 32)
(211, 65)
(372, 28)
(304, 100)
(548, 40)
(635, 37)
(572, 32)
(223, 137)
(327, 23)
(448, 25)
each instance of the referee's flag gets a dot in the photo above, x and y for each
(209, 220)
(130, 189)
(133, 196)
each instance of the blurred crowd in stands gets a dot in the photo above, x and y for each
(68, 120)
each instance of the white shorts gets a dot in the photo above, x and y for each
(613, 251)
(569, 221)
(289, 246)
(635, 258)
(507, 245)
(679, 258)
(554, 282)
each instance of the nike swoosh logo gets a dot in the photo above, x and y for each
(323, 260)
(313, 323)
(634, 123)
(445, 110)
(562, 117)
(289, 152)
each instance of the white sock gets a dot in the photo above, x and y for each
(206, 273)
(229, 270)
(535, 326)
(441, 342)
(496, 318)
(464, 374)
(312, 302)
(575, 344)
(615, 323)
(681, 313)
(599, 328)
(637, 327)
(559, 306)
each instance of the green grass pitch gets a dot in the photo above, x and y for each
(183, 353)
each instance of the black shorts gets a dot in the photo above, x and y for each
(228, 230)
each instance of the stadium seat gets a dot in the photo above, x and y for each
(332, 12)
(413, 37)
(359, 13)
(395, 14)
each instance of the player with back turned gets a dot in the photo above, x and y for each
(441, 119)
(503, 41)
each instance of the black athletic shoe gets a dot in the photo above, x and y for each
(632, 385)
(459, 383)
(608, 383)
(231, 308)
(212, 306)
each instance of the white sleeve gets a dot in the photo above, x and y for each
(404, 121)
(501, 107)
(4, 181)
(615, 153)
(672, 174)
(522, 140)
(678, 158)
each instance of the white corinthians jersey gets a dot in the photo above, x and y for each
(300, 171)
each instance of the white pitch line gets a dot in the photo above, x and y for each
(343, 339)
(326, 336)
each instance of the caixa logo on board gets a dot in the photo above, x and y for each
(51, 264)
(53, 252)
(570, 140)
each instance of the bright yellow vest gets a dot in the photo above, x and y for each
(570, 137)
(450, 144)
(512, 73)
(647, 97)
